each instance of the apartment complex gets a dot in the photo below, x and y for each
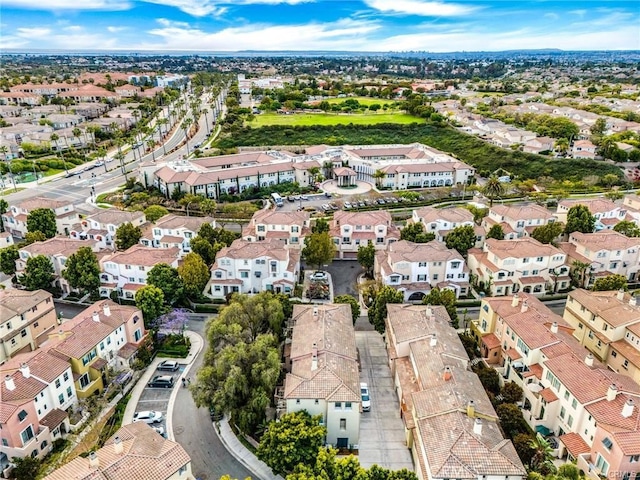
(289, 227)
(349, 230)
(440, 221)
(15, 219)
(517, 221)
(322, 371)
(606, 212)
(101, 226)
(173, 231)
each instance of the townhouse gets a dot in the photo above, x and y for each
(20, 98)
(64, 120)
(416, 268)
(253, 267)
(517, 221)
(440, 398)
(603, 253)
(569, 396)
(288, 227)
(605, 323)
(104, 336)
(349, 230)
(173, 231)
(632, 204)
(322, 371)
(57, 250)
(440, 221)
(101, 226)
(606, 212)
(583, 149)
(25, 319)
(539, 145)
(15, 219)
(134, 451)
(508, 266)
(126, 272)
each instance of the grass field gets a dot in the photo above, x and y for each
(363, 100)
(331, 119)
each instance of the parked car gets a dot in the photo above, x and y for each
(148, 416)
(326, 207)
(160, 430)
(347, 205)
(319, 275)
(161, 381)
(215, 416)
(99, 163)
(366, 400)
(327, 194)
(168, 366)
(291, 198)
(304, 197)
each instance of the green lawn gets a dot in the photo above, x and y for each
(307, 119)
(363, 100)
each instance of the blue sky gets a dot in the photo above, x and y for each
(362, 25)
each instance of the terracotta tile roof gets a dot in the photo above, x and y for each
(604, 240)
(145, 256)
(456, 215)
(58, 246)
(127, 350)
(548, 395)
(607, 305)
(536, 370)
(575, 444)
(8, 409)
(628, 351)
(14, 302)
(42, 364)
(244, 249)
(535, 279)
(513, 354)
(85, 335)
(171, 239)
(529, 211)
(410, 322)
(25, 388)
(491, 341)
(595, 205)
(42, 202)
(610, 413)
(405, 251)
(54, 418)
(173, 222)
(520, 248)
(278, 217)
(115, 217)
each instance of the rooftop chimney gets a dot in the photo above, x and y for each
(589, 360)
(117, 446)
(446, 376)
(314, 357)
(524, 307)
(315, 310)
(627, 409)
(8, 380)
(514, 300)
(554, 327)
(471, 409)
(633, 301)
(96, 317)
(612, 392)
(93, 460)
(620, 294)
(24, 369)
(107, 310)
(477, 427)
(434, 340)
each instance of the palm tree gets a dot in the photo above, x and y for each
(579, 272)
(151, 143)
(379, 175)
(493, 189)
(205, 110)
(313, 174)
(542, 459)
(562, 146)
(186, 126)
(54, 140)
(76, 132)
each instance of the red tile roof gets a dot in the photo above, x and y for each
(575, 444)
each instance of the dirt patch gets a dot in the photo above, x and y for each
(91, 438)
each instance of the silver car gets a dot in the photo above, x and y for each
(148, 416)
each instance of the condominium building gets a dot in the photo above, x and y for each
(173, 231)
(517, 221)
(289, 227)
(606, 212)
(15, 219)
(349, 230)
(101, 226)
(440, 221)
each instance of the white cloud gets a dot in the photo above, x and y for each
(551, 15)
(69, 4)
(35, 32)
(197, 8)
(421, 8)
(114, 29)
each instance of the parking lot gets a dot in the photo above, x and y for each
(382, 438)
(344, 274)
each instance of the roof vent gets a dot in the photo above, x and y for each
(94, 462)
(434, 340)
(9, 383)
(315, 311)
(25, 370)
(446, 376)
(515, 299)
(118, 448)
(554, 327)
(471, 409)
(612, 392)
(627, 409)
(106, 310)
(525, 306)
(589, 360)
(620, 294)
(477, 426)
(96, 316)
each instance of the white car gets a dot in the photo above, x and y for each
(148, 416)
(160, 430)
(319, 275)
(366, 400)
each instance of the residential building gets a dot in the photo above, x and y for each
(25, 320)
(450, 424)
(126, 272)
(604, 322)
(15, 219)
(603, 253)
(57, 250)
(583, 149)
(517, 221)
(252, 267)
(173, 231)
(539, 145)
(134, 451)
(509, 266)
(416, 268)
(440, 221)
(606, 212)
(349, 230)
(101, 226)
(289, 227)
(322, 371)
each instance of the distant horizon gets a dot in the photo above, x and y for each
(363, 26)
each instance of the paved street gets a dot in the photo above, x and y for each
(345, 275)
(381, 430)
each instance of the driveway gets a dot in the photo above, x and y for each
(381, 430)
(345, 276)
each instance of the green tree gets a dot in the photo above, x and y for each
(599, 127)
(511, 392)
(320, 226)
(461, 238)
(366, 257)
(611, 282)
(318, 249)
(8, 257)
(294, 439)
(548, 233)
(38, 273)
(496, 232)
(493, 189)
(150, 301)
(378, 310)
(82, 270)
(167, 279)
(579, 219)
(127, 235)
(4, 206)
(353, 303)
(627, 228)
(25, 468)
(511, 420)
(379, 175)
(42, 220)
(208, 252)
(414, 232)
(446, 298)
(542, 460)
(155, 212)
(194, 273)
(522, 444)
(32, 237)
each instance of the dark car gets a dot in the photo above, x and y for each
(168, 366)
(161, 381)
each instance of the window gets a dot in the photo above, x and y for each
(563, 412)
(607, 443)
(316, 402)
(61, 398)
(422, 278)
(347, 405)
(602, 465)
(43, 445)
(574, 404)
(5, 443)
(23, 333)
(22, 415)
(297, 401)
(570, 420)
(182, 470)
(69, 392)
(244, 274)
(343, 424)
(634, 458)
(84, 381)
(566, 395)
(614, 354)
(258, 274)
(27, 434)
(57, 383)
(338, 405)
(422, 264)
